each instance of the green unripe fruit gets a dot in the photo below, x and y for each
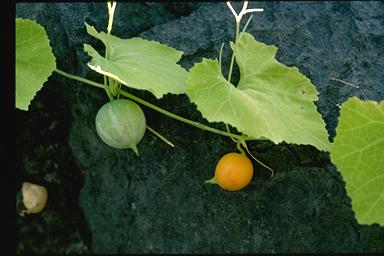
(121, 124)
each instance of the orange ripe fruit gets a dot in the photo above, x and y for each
(233, 171)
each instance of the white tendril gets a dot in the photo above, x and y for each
(243, 11)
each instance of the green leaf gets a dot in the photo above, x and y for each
(139, 63)
(358, 152)
(35, 61)
(272, 101)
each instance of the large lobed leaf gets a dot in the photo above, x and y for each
(139, 63)
(272, 101)
(35, 61)
(358, 152)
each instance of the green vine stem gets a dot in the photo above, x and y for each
(109, 82)
(154, 107)
(179, 118)
(238, 146)
(233, 53)
(238, 18)
(80, 79)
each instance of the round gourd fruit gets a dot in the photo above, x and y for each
(121, 124)
(233, 171)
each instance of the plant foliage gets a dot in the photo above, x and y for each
(35, 61)
(358, 152)
(271, 101)
(139, 63)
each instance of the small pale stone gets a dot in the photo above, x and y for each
(34, 197)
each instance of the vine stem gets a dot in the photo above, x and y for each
(238, 17)
(154, 107)
(80, 79)
(110, 83)
(233, 53)
(179, 118)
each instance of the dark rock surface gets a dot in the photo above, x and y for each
(157, 202)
